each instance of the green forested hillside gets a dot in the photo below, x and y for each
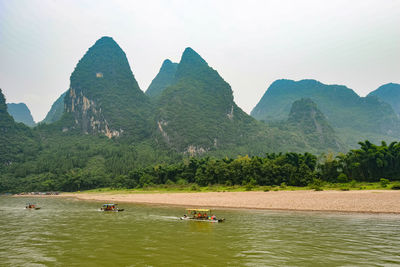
(164, 78)
(70, 162)
(21, 113)
(56, 110)
(352, 117)
(390, 93)
(370, 163)
(197, 114)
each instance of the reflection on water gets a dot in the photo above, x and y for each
(74, 233)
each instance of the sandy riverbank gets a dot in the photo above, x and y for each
(372, 201)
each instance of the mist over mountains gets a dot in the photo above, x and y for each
(352, 116)
(389, 93)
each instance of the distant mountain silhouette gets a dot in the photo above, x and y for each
(306, 117)
(21, 113)
(352, 116)
(390, 93)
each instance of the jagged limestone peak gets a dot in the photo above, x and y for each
(104, 97)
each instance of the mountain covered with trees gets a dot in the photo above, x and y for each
(164, 78)
(353, 117)
(104, 97)
(389, 93)
(21, 113)
(197, 114)
(56, 110)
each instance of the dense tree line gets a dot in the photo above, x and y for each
(369, 163)
(84, 166)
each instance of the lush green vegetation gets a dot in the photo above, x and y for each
(17, 141)
(101, 163)
(369, 163)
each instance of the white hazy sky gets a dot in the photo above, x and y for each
(250, 43)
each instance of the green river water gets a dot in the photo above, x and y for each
(67, 232)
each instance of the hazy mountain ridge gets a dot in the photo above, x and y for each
(21, 113)
(389, 93)
(306, 117)
(345, 111)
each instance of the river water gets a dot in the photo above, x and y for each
(67, 232)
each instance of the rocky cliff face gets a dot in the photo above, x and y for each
(104, 97)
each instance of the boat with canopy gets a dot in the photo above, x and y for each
(203, 215)
(110, 207)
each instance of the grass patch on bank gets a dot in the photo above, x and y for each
(194, 188)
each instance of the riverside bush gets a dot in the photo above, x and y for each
(384, 182)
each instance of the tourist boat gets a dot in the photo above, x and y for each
(31, 206)
(110, 207)
(202, 215)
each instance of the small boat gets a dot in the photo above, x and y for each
(31, 206)
(202, 215)
(110, 207)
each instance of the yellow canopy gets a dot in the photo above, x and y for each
(200, 210)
